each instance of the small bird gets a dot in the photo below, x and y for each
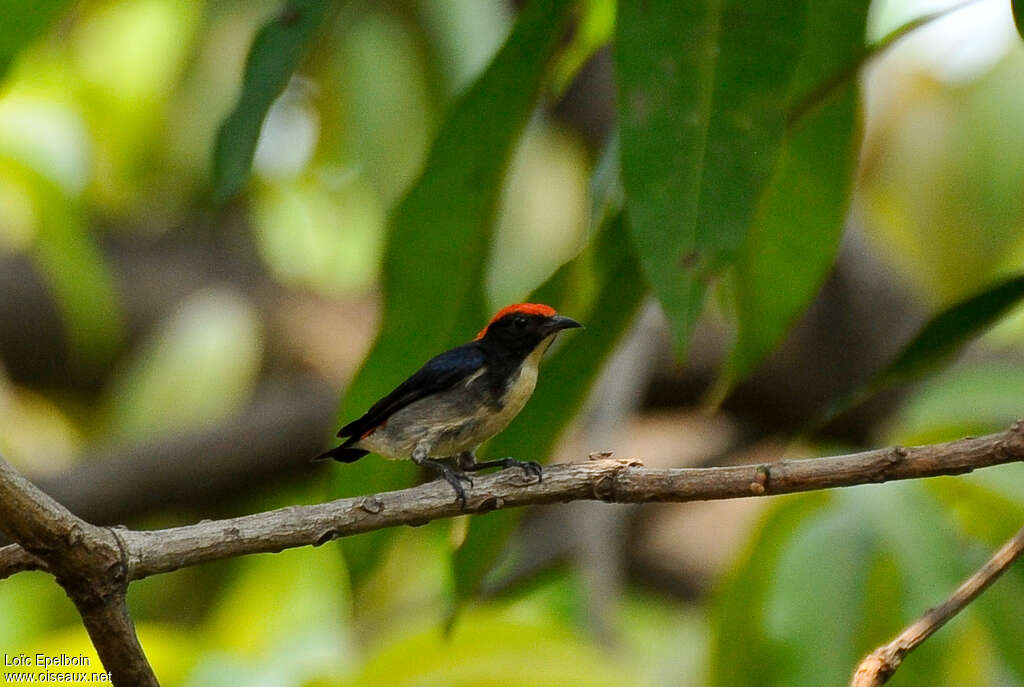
(460, 399)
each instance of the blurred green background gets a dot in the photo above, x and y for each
(176, 333)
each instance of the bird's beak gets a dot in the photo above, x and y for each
(560, 322)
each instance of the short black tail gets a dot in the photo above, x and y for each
(343, 454)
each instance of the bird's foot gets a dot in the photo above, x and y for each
(453, 476)
(530, 468)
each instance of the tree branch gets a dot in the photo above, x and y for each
(878, 666)
(616, 481)
(88, 561)
(96, 564)
(14, 559)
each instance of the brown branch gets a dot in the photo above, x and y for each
(88, 561)
(878, 666)
(14, 559)
(95, 564)
(617, 481)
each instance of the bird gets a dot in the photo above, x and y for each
(459, 399)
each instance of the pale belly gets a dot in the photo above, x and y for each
(454, 421)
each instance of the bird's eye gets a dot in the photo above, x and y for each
(519, 321)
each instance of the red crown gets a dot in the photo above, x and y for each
(524, 308)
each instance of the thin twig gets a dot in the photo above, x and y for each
(878, 666)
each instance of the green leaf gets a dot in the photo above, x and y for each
(438, 243)
(966, 400)
(275, 54)
(830, 576)
(936, 343)
(1018, 15)
(985, 512)
(739, 640)
(212, 338)
(705, 88)
(563, 386)
(22, 23)
(494, 647)
(758, 50)
(664, 59)
(795, 235)
(74, 268)
(945, 334)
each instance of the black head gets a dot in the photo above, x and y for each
(520, 328)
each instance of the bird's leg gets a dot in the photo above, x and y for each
(467, 462)
(451, 475)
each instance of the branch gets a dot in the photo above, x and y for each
(14, 559)
(96, 564)
(616, 481)
(878, 666)
(86, 560)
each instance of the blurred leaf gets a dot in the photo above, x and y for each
(275, 54)
(817, 647)
(493, 648)
(1001, 608)
(606, 194)
(795, 234)
(830, 576)
(212, 339)
(946, 333)
(594, 27)
(22, 23)
(376, 82)
(989, 515)
(38, 605)
(286, 605)
(664, 60)
(74, 269)
(966, 400)
(937, 342)
(438, 244)
(562, 388)
(1018, 15)
(742, 652)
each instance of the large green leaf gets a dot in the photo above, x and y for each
(22, 23)
(1018, 15)
(275, 54)
(705, 88)
(758, 49)
(439, 238)
(664, 59)
(793, 240)
(563, 387)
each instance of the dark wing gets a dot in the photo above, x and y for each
(439, 373)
